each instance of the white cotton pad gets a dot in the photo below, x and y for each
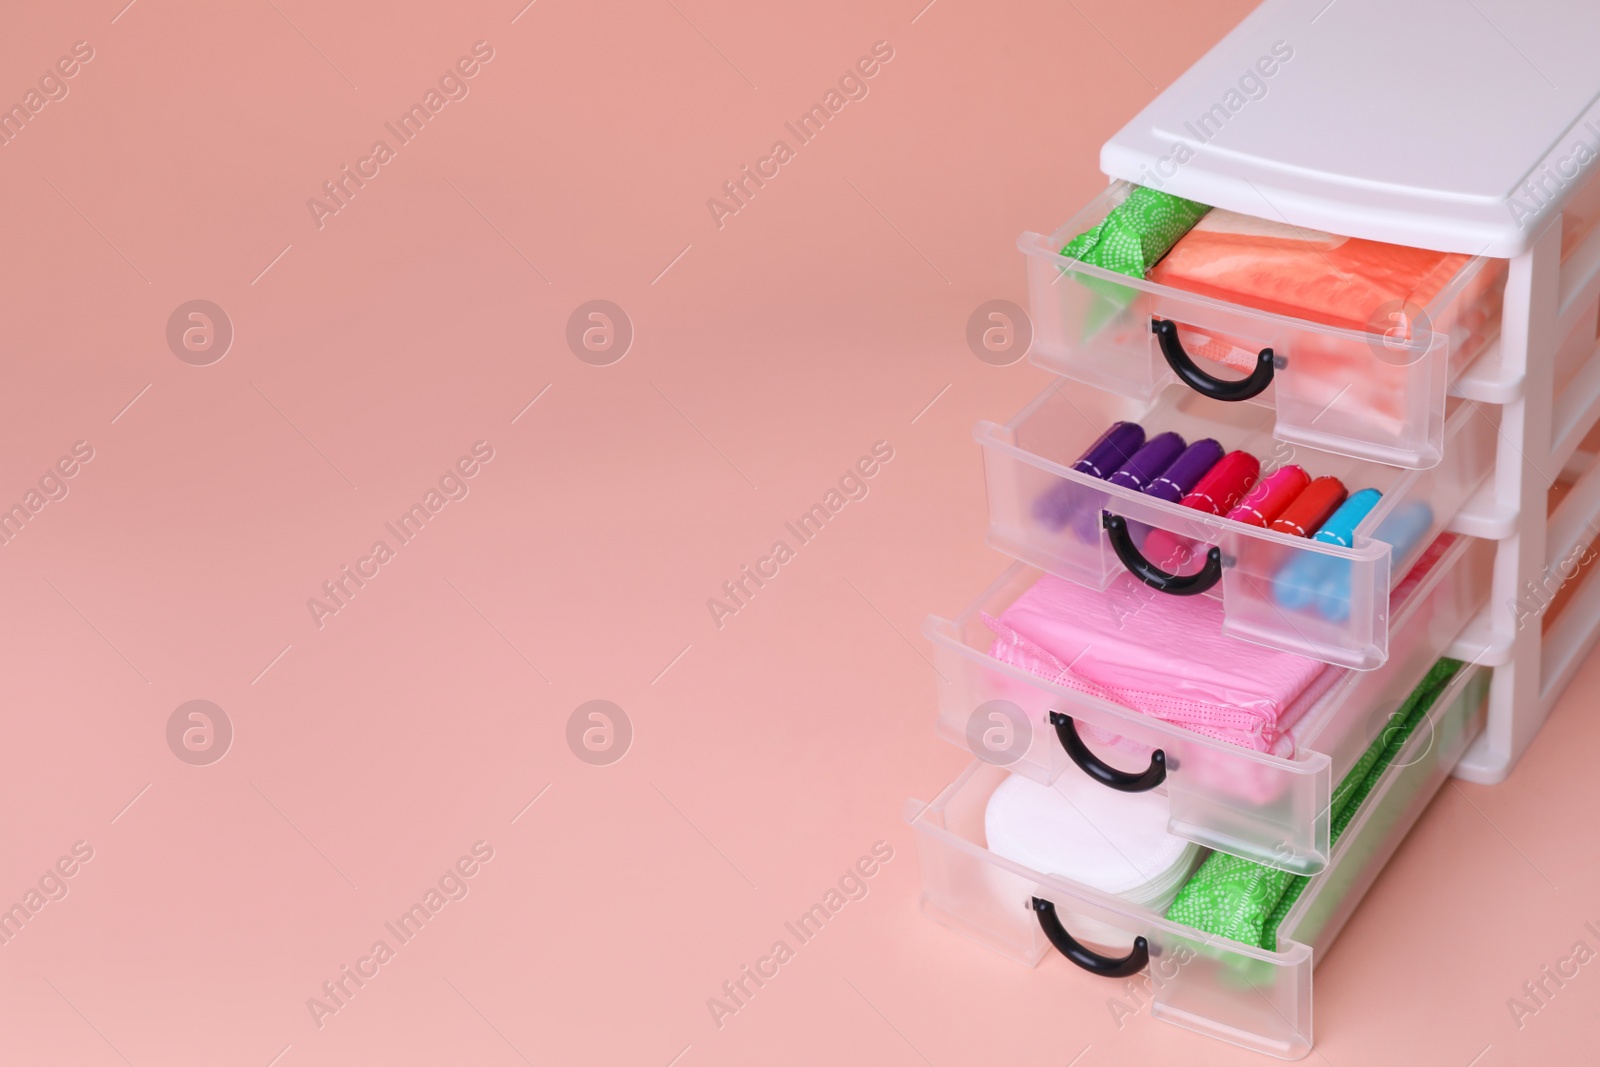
(1079, 829)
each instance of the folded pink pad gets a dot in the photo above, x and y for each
(1161, 655)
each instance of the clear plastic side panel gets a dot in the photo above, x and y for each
(1470, 314)
(1428, 500)
(1285, 826)
(1353, 393)
(1248, 997)
(997, 715)
(1334, 606)
(1389, 812)
(963, 886)
(1254, 999)
(1326, 603)
(1424, 628)
(1048, 520)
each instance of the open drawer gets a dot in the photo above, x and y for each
(1376, 393)
(1245, 995)
(1309, 597)
(1268, 808)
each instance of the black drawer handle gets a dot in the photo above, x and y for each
(1166, 332)
(1091, 961)
(1106, 775)
(1153, 576)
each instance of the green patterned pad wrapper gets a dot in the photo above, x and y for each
(1244, 901)
(1130, 240)
(1137, 232)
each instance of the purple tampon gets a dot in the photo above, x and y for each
(1149, 462)
(1113, 448)
(1186, 471)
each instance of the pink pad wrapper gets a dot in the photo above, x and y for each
(1162, 655)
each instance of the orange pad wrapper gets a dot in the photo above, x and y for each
(1306, 274)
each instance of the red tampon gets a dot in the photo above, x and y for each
(1271, 496)
(1225, 484)
(1219, 489)
(1307, 512)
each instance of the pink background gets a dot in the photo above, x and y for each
(769, 354)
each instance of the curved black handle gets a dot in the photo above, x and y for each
(1106, 775)
(1153, 576)
(1093, 962)
(1166, 332)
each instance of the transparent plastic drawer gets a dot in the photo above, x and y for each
(1304, 596)
(1376, 394)
(1269, 808)
(1248, 996)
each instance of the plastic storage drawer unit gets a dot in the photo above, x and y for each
(1271, 809)
(1310, 597)
(1377, 394)
(1250, 996)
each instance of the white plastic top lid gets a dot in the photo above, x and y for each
(1455, 125)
